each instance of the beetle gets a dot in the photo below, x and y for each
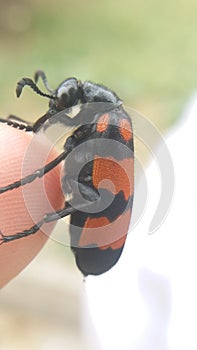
(98, 164)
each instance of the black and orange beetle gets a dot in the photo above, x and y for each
(98, 170)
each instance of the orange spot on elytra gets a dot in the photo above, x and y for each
(106, 234)
(125, 129)
(119, 172)
(103, 123)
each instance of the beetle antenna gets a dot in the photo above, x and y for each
(32, 85)
(40, 74)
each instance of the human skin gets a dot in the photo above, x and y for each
(21, 153)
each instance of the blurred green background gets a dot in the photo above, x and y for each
(144, 50)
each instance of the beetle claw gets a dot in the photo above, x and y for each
(2, 239)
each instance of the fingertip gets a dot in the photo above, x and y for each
(23, 207)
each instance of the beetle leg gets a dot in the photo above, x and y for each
(49, 217)
(14, 117)
(52, 118)
(41, 171)
(17, 123)
(79, 191)
(36, 174)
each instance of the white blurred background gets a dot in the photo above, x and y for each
(148, 301)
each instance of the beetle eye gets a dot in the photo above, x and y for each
(62, 91)
(64, 100)
(68, 98)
